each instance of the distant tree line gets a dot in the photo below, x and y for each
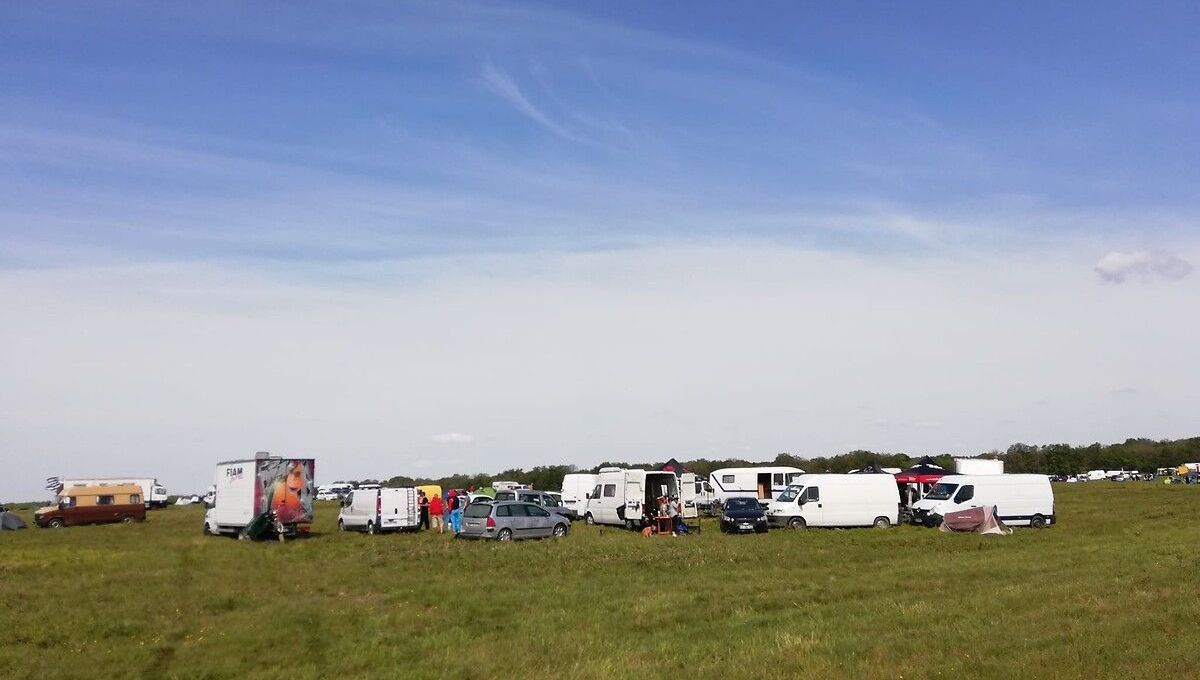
(1144, 455)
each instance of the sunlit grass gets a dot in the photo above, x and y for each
(1104, 594)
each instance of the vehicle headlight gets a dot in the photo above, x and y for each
(727, 518)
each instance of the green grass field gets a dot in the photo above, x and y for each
(1106, 593)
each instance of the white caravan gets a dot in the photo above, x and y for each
(333, 492)
(378, 510)
(763, 483)
(622, 497)
(1019, 500)
(575, 488)
(830, 500)
(154, 495)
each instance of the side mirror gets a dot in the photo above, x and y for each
(587, 496)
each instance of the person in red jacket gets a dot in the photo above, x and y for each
(435, 513)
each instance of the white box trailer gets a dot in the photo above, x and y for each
(1019, 500)
(978, 466)
(763, 482)
(154, 495)
(832, 500)
(379, 510)
(624, 497)
(246, 490)
(575, 488)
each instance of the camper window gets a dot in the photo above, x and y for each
(966, 493)
(104, 500)
(791, 478)
(812, 494)
(610, 490)
(942, 492)
(135, 499)
(777, 479)
(727, 479)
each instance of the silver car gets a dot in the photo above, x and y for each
(510, 520)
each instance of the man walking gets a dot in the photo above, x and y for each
(423, 505)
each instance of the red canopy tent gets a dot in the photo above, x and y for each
(924, 472)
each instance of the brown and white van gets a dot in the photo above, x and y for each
(100, 504)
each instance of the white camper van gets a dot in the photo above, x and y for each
(621, 497)
(830, 500)
(575, 488)
(378, 510)
(763, 483)
(1020, 500)
(154, 495)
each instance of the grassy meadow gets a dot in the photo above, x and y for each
(1106, 593)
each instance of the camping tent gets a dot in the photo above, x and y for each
(975, 520)
(9, 521)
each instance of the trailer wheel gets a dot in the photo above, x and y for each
(1038, 522)
(589, 520)
(882, 523)
(797, 523)
(504, 535)
(371, 528)
(55, 523)
(560, 530)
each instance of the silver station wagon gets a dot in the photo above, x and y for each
(509, 520)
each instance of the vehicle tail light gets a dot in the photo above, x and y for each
(491, 523)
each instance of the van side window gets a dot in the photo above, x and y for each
(502, 511)
(520, 510)
(777, 479)
(610, 490)
(550, 501)
(104, 500)
(965, 493)
(812, 494)
(728, 479)
(537, 512)
(135, 499)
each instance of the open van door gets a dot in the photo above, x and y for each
(635, 496)
(688, 494)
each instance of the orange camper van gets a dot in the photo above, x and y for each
(99, 504)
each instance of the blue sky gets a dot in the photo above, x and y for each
(151, 155)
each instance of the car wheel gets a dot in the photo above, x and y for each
(882, 523)
(126, 520)
(341, 525)
(504, 535)
(560, 530)
(931, 521)
(1038, 522)
(55, 523)
(371, 528)
(589, 520)
(797, 523)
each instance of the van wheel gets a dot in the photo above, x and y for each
(1038, 522)
(589, 520)
(504, 535)
(796, 523)
(371, 528)
(207, 530)
(126, 520)
(341, 525)
(560, 530)
(882, 523)
(55, 523)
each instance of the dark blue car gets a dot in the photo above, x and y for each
(743, 515)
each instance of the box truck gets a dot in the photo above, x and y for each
(763, 483)
(1019, 500)
(260, 495)
(379, 510)
(627, 498)
(154, 495)
(831, 500)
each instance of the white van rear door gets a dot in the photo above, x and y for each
(635, 495)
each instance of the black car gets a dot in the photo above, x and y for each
(743, 515)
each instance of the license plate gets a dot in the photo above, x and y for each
(745, 526)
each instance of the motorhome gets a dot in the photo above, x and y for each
(83, 504)
(763, 483)
(1019, 500)
(831, 500)
(379, 510)
(627, 498)
(333, 492)
(500, 485)
(154, 495)
(575, 488)
(249, 492)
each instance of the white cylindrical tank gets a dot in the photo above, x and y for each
(978, 466)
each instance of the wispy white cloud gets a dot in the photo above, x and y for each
(453, 438)
(504, 86)
(1118, 266)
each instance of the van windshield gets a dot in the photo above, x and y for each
(941, 492)
(790, 494)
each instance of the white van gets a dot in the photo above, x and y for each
(763, 483)
(379, 510)
(1019, 500)
(575, 488)
(831, 500)
(622, 497)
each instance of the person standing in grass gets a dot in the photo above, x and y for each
(455, 512)
(434, 512)
(423, 505)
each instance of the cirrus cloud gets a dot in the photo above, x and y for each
(1117, 266)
